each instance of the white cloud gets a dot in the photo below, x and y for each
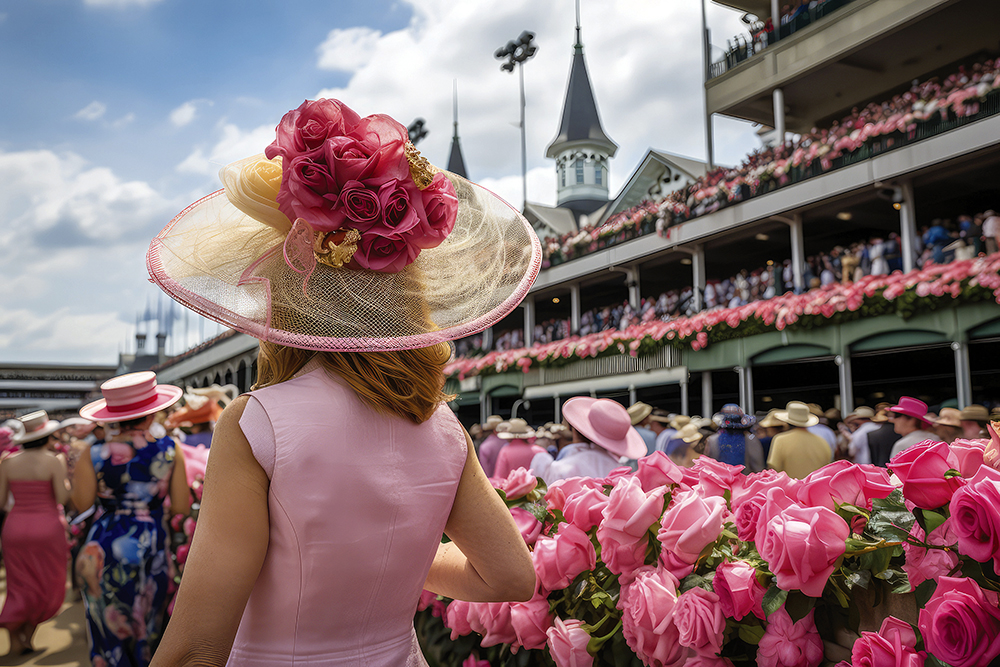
(183, 114)
(72, 245)
(124, 120)
(118, 4)
(541, 187)
(233, 145)
(348, 50)
(92, 111)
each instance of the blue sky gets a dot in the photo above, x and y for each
(118, 113)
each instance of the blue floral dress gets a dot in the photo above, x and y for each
(124, 565)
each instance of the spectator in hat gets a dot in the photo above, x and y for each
(797, 451)
(639, 413)
(682, 448)
(518, 452)
(861, 424)
(767, 428)
(674, 424)
(909, 419)
(948, 425)
(490, 448)
(735, 442)
(821, 428)
(974, 419)
(602, 434)
(881, 440)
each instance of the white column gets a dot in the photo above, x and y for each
(798, 252)
(741, 372)
(631, 394)
(684, 397)
(707, 55)
(484, 406)
(558, 416)
(698, 271)
(529, 319)
(907, 226)
(488, 339)
(706, 392)
(779, 113)
(846, 383)
(775, 15)
(748, 380)
(634, 296)
(574, 308)
(963, 374)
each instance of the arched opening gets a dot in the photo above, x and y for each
(241, 376)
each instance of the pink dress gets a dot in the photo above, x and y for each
(517, 454)
(35, 552)
(358, 502)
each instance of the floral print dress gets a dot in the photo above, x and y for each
(124, 565)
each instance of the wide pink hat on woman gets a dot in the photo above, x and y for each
(912, 407)
(342, 237)
(605, 423)
(131, 396)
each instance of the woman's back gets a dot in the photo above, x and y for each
(358, 501)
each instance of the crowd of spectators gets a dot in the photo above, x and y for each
(942, 241)
(928, 107)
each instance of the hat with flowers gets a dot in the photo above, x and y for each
(341, 236)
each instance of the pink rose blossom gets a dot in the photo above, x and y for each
(716, 478)
(699, 621)
(526, 522)
(440, 205)
(788, 644)
(675, 565)
(361, 205)
(969, 454)
(892, 646)
(473, 661)
(307, 128)
(648, 604)
(759, 483)
(559, 560)
(658, 470)
(559, 491)
(426, 598)
(801, 545)
(457, 618)
(691, 524)
(628, 516)
(567, 643)
(747, 517)
(182, 553)
(922, 469)
(975, 518)
(923, 563)
(961, 623)
(843, 482)
(531, 620)
(585, 508)
(709, 661)
(518, 483)
(495, 617)
(740, 592)
(399, 216)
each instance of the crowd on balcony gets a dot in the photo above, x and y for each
(928, 107)
(942, 241)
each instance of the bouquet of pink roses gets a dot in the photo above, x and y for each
(706, 566)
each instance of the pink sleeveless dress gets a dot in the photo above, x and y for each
(35, 552)
(358, 502)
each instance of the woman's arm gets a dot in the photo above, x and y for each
(84, 482)
(180, 492)
(487, 560)
(227, 552)
(59, 482)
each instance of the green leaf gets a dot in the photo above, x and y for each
(695, 581)
(751, 634)
(948, 474)
(860, 578)
(774, 598)
(933, 520)
(924, 592)
(798, 605)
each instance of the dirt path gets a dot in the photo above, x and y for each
(61, 641)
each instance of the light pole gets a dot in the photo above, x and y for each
(417, 131)
(517, 52)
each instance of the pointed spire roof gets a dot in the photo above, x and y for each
(580, 119)
(456, 163)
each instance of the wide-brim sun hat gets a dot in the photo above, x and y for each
(732, 417)
(770, 420)
(37, 425)
(131, 396)
(949, 417)
(605, 423)
(797, 414)
(492, 422)
(638, 412)
(342, 238)
(518, 430)
(975, 412)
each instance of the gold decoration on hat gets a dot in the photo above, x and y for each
(421, 171)
(336, 248)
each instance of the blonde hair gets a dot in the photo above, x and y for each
(406, 383)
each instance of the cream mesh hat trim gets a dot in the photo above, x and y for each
(230, 267)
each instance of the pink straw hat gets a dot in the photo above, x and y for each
(911, 407)
(605, 423)
(342, 237)
(131, 396)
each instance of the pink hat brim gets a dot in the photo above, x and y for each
(899, 410)
(167, 395)
(575, 412)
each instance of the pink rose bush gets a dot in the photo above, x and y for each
(706, 566)
(340, 171)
